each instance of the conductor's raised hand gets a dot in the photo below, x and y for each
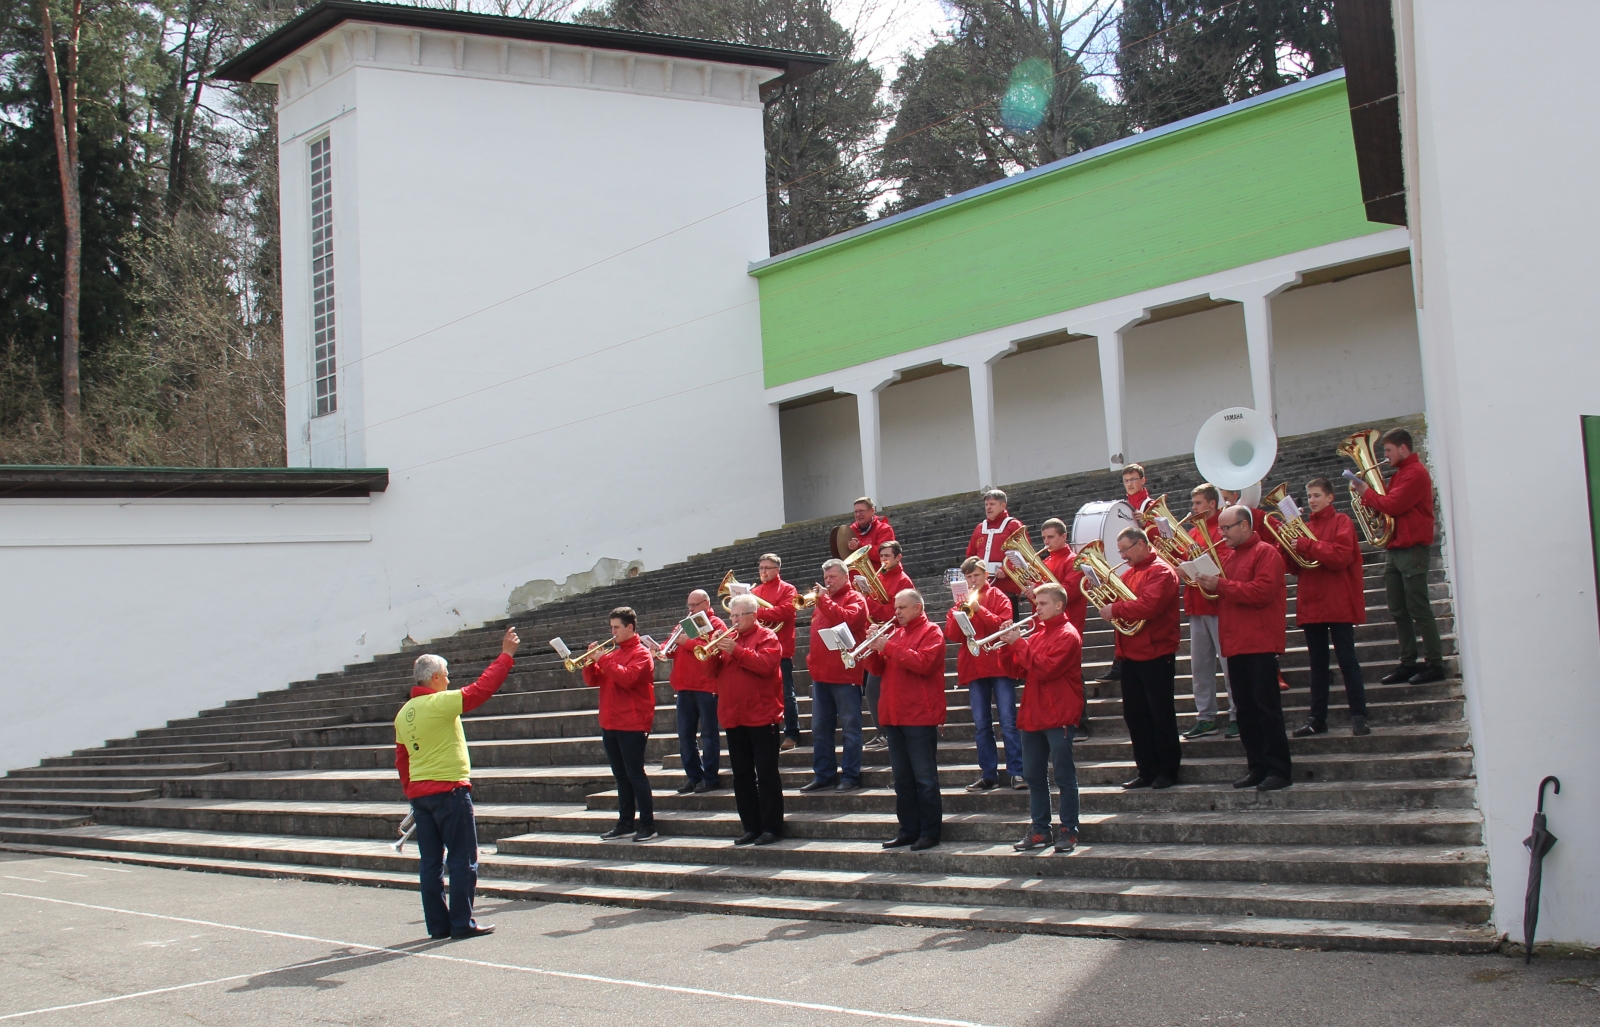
(510, 641)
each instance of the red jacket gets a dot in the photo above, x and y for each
(688, 673)
(1071, 579)
(1409, 501)
(749, 681)
(1253, 601)
(781, 617)
(912, 666)
(1050, 659)
(1195, 604)
(895, 580)
(876, 534)
(1156, 586)
(472, 696)
(994, 609)
(1138, 501)
(626, 678)
(985, 544)
(827, 665)
(1333, 592)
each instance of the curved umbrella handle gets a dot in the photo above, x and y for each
(1552, 779)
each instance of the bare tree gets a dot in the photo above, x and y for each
(64, 110)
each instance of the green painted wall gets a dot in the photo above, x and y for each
(1247, 186)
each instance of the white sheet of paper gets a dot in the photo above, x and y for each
(738, 588)
(649, 643)
(1287, 507)
(965, 624)
(838, 637)
(1201, 566)
(561, 648)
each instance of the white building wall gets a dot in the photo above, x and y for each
(1179, 373)
(928, 447)
(821, 458)
(1049, 416)
(1504, 245)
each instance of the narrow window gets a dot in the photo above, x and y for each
(322, 319)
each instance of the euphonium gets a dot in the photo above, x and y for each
(1033, 572)
(1286, 531)
(725, 590)
(979, 646)
(1179, 547)
(1092, 561)
(1378, 527)
(587, 657)
(859, 564)
(702, 648)
(851, 657)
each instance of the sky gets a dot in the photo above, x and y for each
(888, 28)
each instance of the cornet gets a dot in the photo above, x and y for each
(583, 659)
(665, 650)
(979, 646)
(1378, 527)
(806, 601)
(1108, 588)
(725, 591)
(703, 648)
(1286, 531)
(850, 657)
(408, 827)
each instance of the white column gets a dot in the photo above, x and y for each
(866, 392)
(980, 377)
(1113, 391)
(1256, 298)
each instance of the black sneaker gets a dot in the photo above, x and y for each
(1273, 783)
(1427, 674)
(617, 832)
(646, 834)
(1308, 729)
(1066, 841)
(1400, 675)
(983, 784)
(1032, 840)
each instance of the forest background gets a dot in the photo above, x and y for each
(140, 319)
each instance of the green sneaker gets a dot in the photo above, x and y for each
(1201, 730)
(1232, 730)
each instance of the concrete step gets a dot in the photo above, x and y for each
(113, 772)
(41, 821)
(78, 796)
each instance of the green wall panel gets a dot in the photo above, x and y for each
(1251, 184)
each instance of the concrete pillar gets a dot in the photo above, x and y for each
(1256, 298)
(1113, 389)
(866, 392)
(980, 378)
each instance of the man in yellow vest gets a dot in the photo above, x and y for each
(431, 755)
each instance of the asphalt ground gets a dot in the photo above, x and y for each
(84, 943)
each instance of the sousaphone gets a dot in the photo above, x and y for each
(1235, 449)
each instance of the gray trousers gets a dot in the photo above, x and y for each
(1205, 654)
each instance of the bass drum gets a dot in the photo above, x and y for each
(1102, 521)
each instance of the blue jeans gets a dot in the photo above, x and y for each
(791, 709)
(1002, 692)
(830, 705)
(914, 758)
(445, 823)
(697, 715)
(1039, 750)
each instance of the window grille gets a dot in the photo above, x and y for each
(322, 310)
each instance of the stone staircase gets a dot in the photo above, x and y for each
(1378, 845)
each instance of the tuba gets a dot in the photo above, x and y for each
(1028, 570)
(1378, 527)
(1108, 588)
(859, 565)
(1286, 531)
(725, 591)
(588, 656)
(1179, 547)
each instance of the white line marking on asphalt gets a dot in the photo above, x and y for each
(35, 880)
(63, 873)
(563, 974)
(115, 870)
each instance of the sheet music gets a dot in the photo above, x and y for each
(1287, 507)
(837, 638)
(1201, 566)
(561, 648)
(649, 643)
(965, 624)
(695, 625)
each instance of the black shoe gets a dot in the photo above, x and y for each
(1066, 842)
(702, 787)
(1308, 729)
(1032, 840)
(766, 838)
(1113, 673)
(1250, 780)
(646, 834)
(899, 840)
(689, 786)
(1273, 783)
(746, 838)
(1428, 674)
(923, 844)
(846, 785)
(983, 784)
(1400, 675)
(440, 937)
(475, 931)
(1358, 725)
(616, 832)
(1162, 781)
(714, 785)
(817, 784)
(1139, 782)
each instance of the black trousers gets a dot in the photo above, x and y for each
(1344, 644)
(791, 709)
(1258, 709)
(1151, 716)
(625, 750)
(757, 788)
(914, 760)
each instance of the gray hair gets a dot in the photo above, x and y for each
(995, 494)
(835, 565)
(743, 604)
(427, 666)
(913, 593)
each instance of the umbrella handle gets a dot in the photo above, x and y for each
(1552, 779)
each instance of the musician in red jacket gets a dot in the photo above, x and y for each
(988, 538)
(1409, 500)
(750, 706)
(835, 688)
(1133, 484)
(1050, 660)
(1149, 661)
(1251, 608)
(1062, 561)
(1205, 650)
(894, 579)
(987, 678)
(779, 616)
(1330, 602)
(868, 529)
(911, 660)
(1259, 522)
(626, 677)
(695, 691)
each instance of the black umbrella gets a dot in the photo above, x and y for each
(1540, 842)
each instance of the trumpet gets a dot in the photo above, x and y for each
(1286, 531)
(1031, 572)
(850, 657)
(588, 656)
(859, 565)
(703, 649)
(808, 600)
(1108, 588)
(979, 646)
(1378, 527)
(1179, 547)
(725, 592)
(408, 827)
(672, 642)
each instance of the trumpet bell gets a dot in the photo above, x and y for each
(1235, 449)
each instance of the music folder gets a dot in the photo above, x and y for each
(1200, 567)
(837, 638)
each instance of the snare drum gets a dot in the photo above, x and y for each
(1103, 520)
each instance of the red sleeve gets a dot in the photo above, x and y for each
(952, 630)
(984, 620)
(781, 612)
(1407, 491)
(876, 611)
(975, 544)
(488, 683)
(1155, 593)
(762, 658)
(1255, 591)
(402, 764)
(1045, 660)
(1337, 551)
(592, 675)
(920, 658)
